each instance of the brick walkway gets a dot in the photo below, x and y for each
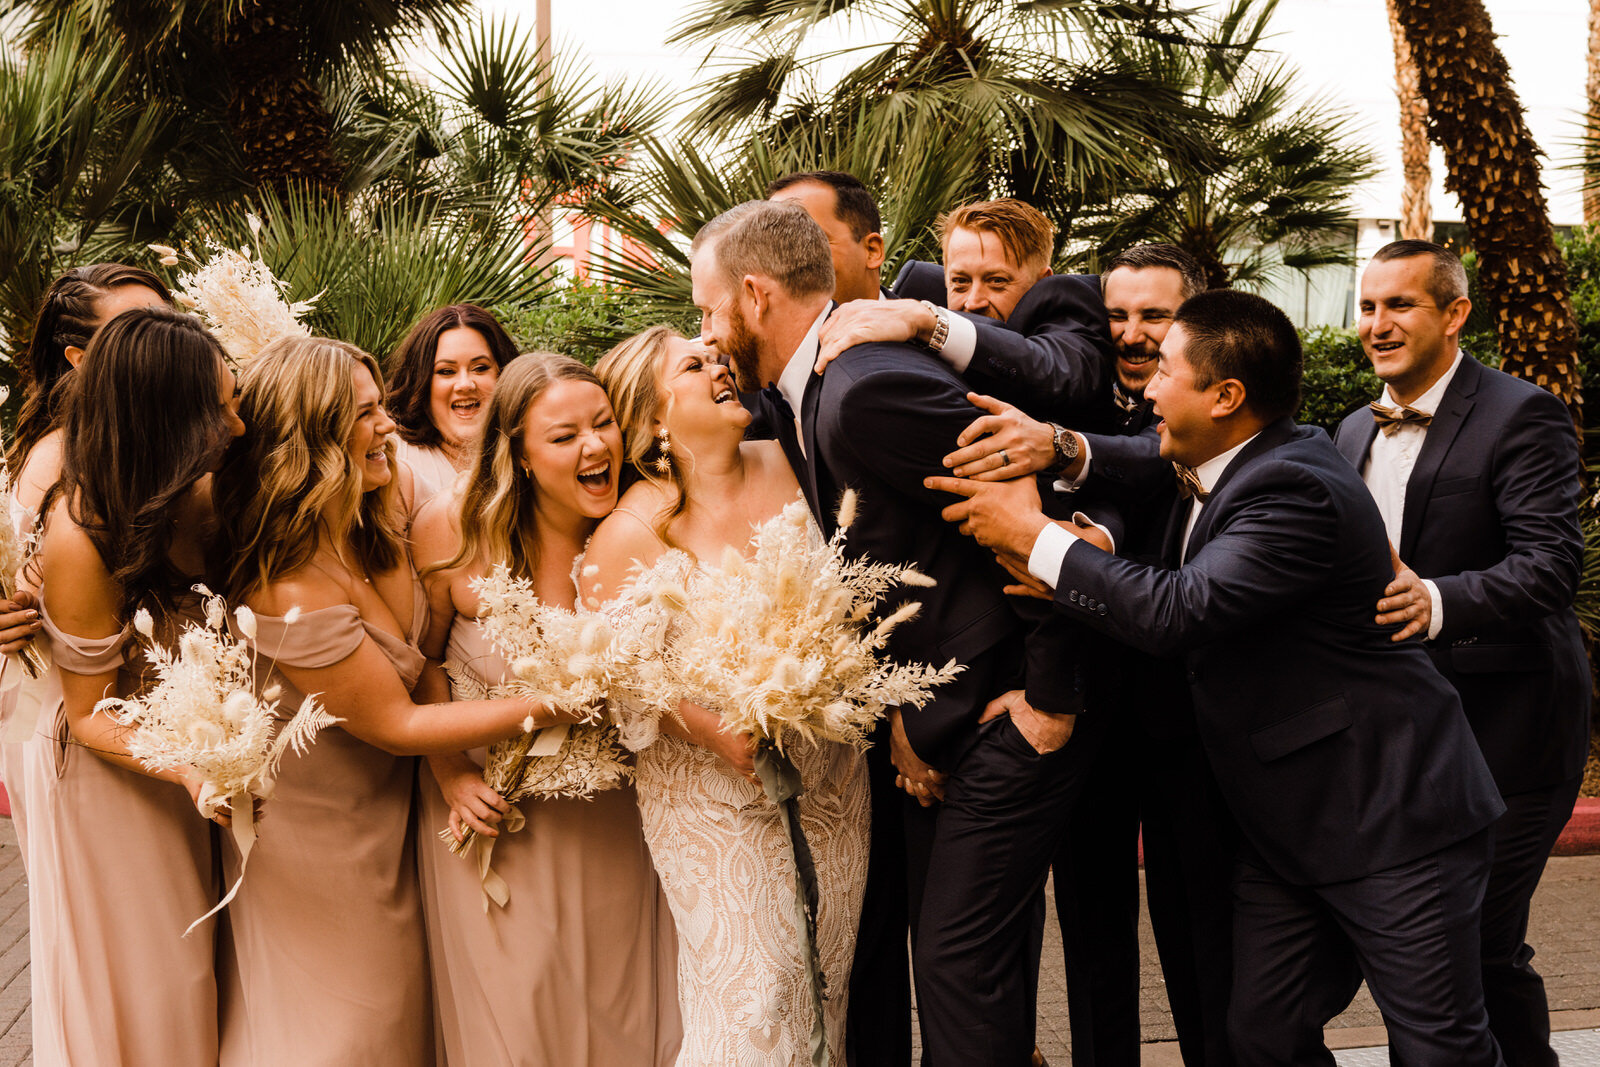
(1565, 928)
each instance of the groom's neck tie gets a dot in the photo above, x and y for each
(783, 415)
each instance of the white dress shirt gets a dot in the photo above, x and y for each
(1050, 548)
(1390, 461)
(797, 372)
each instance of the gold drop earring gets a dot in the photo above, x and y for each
(663, 462)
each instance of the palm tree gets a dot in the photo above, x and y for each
(1416, 211)
(436, 182)
(249, 70)
(64, 158)
(1265, 183)
(1591, 188)
(1041, 87)
(1493, 167)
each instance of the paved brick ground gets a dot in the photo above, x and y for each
(1565, 928)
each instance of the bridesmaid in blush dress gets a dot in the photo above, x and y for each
(441, 378)
(76, 305)
(120, 861)
(326, 962)
(578, 967)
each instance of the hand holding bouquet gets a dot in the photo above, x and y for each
(204, 717)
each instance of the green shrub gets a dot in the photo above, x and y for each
(582, 320)
(1338, 378)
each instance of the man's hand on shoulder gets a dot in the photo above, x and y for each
(1002, 443)
(1004, 516)
(863, 321)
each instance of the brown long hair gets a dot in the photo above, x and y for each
(411, 366)
(67, 318)
(291, 476)
(498, 498)
(143, 424)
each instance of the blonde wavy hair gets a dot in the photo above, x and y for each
(290, 478)
(499, 498)
(631, 375)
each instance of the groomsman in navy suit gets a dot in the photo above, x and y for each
(1363, 801)
(1476, 475)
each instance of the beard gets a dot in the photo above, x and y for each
(743, 352)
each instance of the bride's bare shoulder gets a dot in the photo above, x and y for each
(624, 539)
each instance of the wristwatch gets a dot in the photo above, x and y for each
(1066, 445)
(941, 325)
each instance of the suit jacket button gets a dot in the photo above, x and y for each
(1089, 603)
(1103, 609)
(1073, 596)
(1191, 676)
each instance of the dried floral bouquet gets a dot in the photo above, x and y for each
(563, 660)
(204, 712)
(237, 296)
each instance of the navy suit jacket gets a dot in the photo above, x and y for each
(1491, 516)
(1051, 357)
(880, 420)
(1340, 752)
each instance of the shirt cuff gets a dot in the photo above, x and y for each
(1080, 519)
(959, 344)
(1049, 550)
(1072, 485)
(1436, 623)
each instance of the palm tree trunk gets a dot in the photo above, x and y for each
(1416, 209)
(284, 130)
(1493, 167)
(1591, 194)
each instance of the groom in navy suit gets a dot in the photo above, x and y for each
(990, 765)
(1476, 475)
(1361, 797)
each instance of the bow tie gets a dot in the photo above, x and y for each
(780, 403)
(1189, 486)
(1391, 419)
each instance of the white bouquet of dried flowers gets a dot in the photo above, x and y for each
(237, 296)
(205, 712)
(781, 645)
(15, 549)
(559, 658)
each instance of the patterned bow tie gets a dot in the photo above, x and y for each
(1391, 419)
(1189, 486)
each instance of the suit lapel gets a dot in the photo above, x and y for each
(1441, 434)
(1172, 542)
(1270, 437)
(1356, 443)
(811, 479)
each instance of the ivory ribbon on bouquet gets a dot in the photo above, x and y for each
(547, 742)
(243, 823)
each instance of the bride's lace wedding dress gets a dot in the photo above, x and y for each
(728, 871)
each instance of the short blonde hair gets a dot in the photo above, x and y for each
(291, 476)
(774, 238)
(1026, 235)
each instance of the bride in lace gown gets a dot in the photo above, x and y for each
(717, 842)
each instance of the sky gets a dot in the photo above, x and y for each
(1342, 48)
